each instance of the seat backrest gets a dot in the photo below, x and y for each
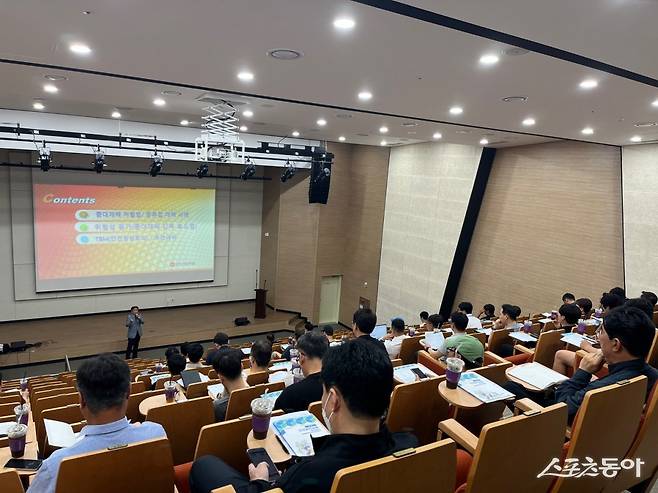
(39, 394)
(10, 482)
(137, 467)
(137, 387)
(652, 357)
(480, 336)
(315, 408)
(40, 405)
(132, 412)
(430, 363)
(644, 447)
(405, 473)
(417, 408)
(548, 344)
(199, 389)
(239, 402)
(604, 427)
(408, 349)
(497, 339)
(182, 422)
(14, 398)
(7, 408)
(256, 378)
(541, 433)
(66, 414)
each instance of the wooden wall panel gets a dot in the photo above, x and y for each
(550, 222)
(269, 243)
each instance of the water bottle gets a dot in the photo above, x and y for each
(598, 312)
(527, 326)
(296, 369)
(581, 327)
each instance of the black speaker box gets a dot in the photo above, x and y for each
(241, 321)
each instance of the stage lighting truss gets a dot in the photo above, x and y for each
(220, 141)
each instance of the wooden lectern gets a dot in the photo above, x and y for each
(261, 300)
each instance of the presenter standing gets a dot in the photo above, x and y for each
(134, 323)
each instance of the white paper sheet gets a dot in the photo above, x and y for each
(295, 431)
(482, 388)
(434, 339)
(59, 434)
(484, 331)
(537, 374)
(246, 350)
(215, 391)
(523, 337)
(405, 374)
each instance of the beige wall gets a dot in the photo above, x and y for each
(429, 187)
(550, 222)
(640, 180)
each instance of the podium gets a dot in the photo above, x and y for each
(261, 300)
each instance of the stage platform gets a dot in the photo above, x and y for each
(86, 335)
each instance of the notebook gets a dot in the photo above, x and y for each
(482, 388)
(60, 434)
(295, 431)
(523, 337)
(434, 339)
(215, 391)
(537, 375)
(405, 373)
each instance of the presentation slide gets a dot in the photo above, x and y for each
(107, 236)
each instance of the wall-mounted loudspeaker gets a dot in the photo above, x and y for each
(318, 189)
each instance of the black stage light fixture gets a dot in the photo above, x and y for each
(288, 172)
(99, 161)
(249, 170)
(156, 164)
(202, 170)
(318, 189)
(44, 158)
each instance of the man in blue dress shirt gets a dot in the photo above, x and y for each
(104, 386)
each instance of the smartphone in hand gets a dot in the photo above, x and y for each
(258, 455)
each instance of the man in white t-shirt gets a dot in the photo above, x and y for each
(393, 341)
(467, 309)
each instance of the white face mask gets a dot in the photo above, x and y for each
(327, 419)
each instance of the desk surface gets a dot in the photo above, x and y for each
(158, 400)
(31, 447)
(523, 384)
(271, 444)
(458, 397)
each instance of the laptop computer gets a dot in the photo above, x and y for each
(378, 332)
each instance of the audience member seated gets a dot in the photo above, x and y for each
(641, 304)
(364, 321)
(308, 326)
(568, 316)
(299, 331)
(434, 321)
(357, 385)
(651, 298)
(610, 301)
(228, 365)
(184, 348)
(393, 341)
(312, 347)
(220, 343)
(487, 312)
(470, 349)
(171, 351)
(104, 386)
(568, 299)
(423, 319)
(260, 357)
(625, 337)
(176, 364)
(467, 309)
(194, 354)
(328, 332)
(507, 319)
(621, 292)
(585, 305)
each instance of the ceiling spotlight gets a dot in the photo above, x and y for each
(248, 113)
(202, 170)
(636, 138)
(55, 78)
(171, 92)
(437, 135)
(44, 158)
(285, 54)
(157, 161)
(249, 170)
(295, 133)
(51, 88)
(383, 143)
(80, 48)
(456, 110)
(116, 114)
(489, 59)
(341, 138)
(245, 76)
(159, 102)
(321, 122)
(243, 128)
(38, 105)
(587, 131)
(528, 122)
(99, 161)
(383, 130)
(185, 122)
(365, 95)
(484, 141)
(344, 23)
(288, 172)
(588, 84)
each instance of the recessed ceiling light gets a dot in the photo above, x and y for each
(245, 76)
(38, 105)
(515, 99)
(489, 59)
(437, 135)
(116, 114)
(587, 131)
(383, 130)
(636, 138)
(80, 48)
(529, 122)
(86, 12)
(55, 78)
(341, 138)
(185, 123)
(383, 143)
(484, 142)
(285, 54)
(159, 102)
(456, 110)
(365, 95)
(51, 88)
(295, 133)
(243, 128)
(171, 92)
(655, 103)
(344, 23)
(321, 122)
(645, 124)
(588, 84)
(248, 113)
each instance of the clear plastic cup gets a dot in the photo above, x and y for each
(261, 411)
(171, 389)
(23, 383)
(455, 367)
(22, 413)
(16, 435)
